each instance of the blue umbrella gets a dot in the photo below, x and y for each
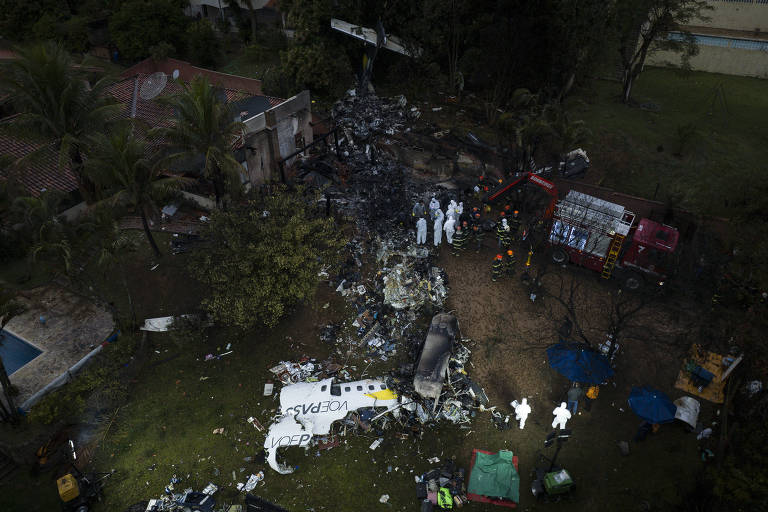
(652, 405)
(579, 362)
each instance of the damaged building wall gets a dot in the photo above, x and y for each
(275, 134)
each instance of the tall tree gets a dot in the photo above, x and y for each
(237, 12)
(35, 218)
(9, 307)
(645, 26)
(450, 20)
(130, 173)
(263, 257)
(203, 125)
(139, 25)
(576, 39)
(54, 102)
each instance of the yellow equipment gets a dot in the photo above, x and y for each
(613, 255)
(68, 488)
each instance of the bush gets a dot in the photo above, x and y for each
(139, 25)
(317, 67)
(162, 51)
(103, 379)
(203, 44)
(276, 82)
(257, 53)
(263, 257)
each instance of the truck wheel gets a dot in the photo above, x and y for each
(559, 256)
(633, 282)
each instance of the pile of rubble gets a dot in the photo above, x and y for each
(177, 501)
(443, 486)
(394, 288)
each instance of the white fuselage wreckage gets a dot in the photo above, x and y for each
(309, 408)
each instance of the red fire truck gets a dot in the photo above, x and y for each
(607, 238)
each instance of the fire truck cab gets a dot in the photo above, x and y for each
(605, 237)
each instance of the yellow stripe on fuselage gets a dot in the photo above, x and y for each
(384, 394)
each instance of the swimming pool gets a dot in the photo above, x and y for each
(15, 352)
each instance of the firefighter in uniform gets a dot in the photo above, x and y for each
(459, 240)
(497, 269)
(510, 262)
(477, 231)
(514, 225)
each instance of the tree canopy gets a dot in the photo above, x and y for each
(138, 25)
(263, 257)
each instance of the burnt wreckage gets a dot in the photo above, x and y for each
(393, 302)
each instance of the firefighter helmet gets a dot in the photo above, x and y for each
(498, 256)
(510, 252)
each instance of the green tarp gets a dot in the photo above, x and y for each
(495, 476)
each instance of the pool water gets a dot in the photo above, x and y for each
(15, 352)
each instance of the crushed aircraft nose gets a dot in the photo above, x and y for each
(285, 432)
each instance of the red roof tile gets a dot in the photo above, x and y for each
(42, 172)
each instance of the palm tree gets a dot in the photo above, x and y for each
(204, 125)
(130, 173)
(55, 102)
(35, 217)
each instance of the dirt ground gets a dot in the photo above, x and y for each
(512, 333)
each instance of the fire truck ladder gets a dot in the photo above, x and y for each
(613, 255)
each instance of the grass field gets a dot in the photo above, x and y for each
(689, 133)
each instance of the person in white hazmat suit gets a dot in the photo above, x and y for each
(522, 411)
(434, 204)
(562, 415)
(438, 226)
(421, 231)
(450, 212)
(459, 210)
(450, 229)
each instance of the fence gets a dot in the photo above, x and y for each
(724, 42)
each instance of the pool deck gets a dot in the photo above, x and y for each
(73, 328)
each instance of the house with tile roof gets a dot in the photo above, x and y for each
(275, 127)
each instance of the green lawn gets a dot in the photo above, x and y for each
(690, 133)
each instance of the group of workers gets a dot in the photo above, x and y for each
(462, 229)
(564, 411)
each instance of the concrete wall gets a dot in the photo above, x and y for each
(271, 136)
(715, 59)
(744, 15)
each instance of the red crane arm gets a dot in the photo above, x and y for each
(537, 180)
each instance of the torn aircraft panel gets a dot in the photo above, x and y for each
(309, 408)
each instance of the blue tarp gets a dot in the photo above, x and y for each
(652, 405)
(579, 362)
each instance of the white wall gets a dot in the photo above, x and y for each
(736, 15)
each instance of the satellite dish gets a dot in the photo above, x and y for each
(153, 85)
(175, 74)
